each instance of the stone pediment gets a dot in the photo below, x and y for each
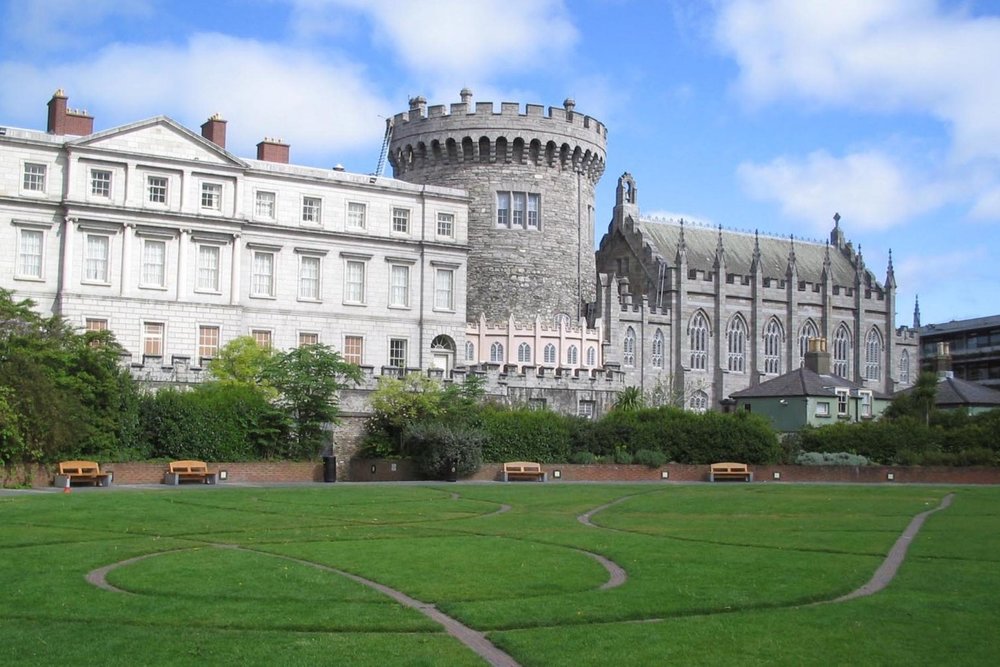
(160, 138)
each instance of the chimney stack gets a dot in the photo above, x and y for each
(942, 360)
(273, 150)
(214, 129)
(63, 120)
(817, 359)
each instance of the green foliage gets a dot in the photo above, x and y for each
(438, 445)
(629, 399)
(398, 404)
(521, 434)
(242, 361)
(830, 459)
(918, 403)
(650, 458)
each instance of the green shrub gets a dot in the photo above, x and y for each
(437, 445)
(650, 458)
(525, 435)
(583, 458)
(622, 456)
(830, 459)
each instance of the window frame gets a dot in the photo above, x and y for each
(445, 225)
(351, 283)
(497, 353)
(153, 332)
(206, 344)
(106, 190)
(202, 269)
(102, 277)
(257, 278)
(20, 264)
(308, 338)
(265, 205)
(524, 353)
(34, 177)
(147, 268)
(263, 337)
(315, 294)
(357, 215)
(312, 210)
(444, 298)
(400, 220)
(843, 401)
(157, 189)
(351, 356)
(399, 293)
(211, 196)
(398, 351)
(628, 348)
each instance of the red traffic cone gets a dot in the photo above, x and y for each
(67, 488)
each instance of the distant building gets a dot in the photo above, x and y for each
(973, 347)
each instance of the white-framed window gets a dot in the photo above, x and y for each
(95, 324)
(357, 213)
(698, 402)
(503, 209)
(397, 352)
(524, 353)
(736, 339)
(444, 289)
(628, 348)
(211, 196)
(772, 347)
(262, 278)
(823, 409)
(152, 339)
(572, 355)
(97, 258)
(312, 210)
(401, 220)
(308, 338)
(496, 353)
(808, 330)
(698, 341)
(842, 396)
(156, 189)
(34, 177)
(873, 355)
(263, 337)
(399, 286)
(208, 341)
(208, 268)
(309, 274)
(591, 356)
(519, 210)
(354, 281)
(354, 349)
(549, 354)
(841, 352)
(446, 225)
(470, 351)
(534, 217)
(904, 367)
(657, 349)
(154, 263)
(265, 204)
(100, 183)
(585, 409)
(865, 404)
(30, 243)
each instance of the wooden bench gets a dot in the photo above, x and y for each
(740, 471)
(83, 472)
(189, 471)
(523, 470)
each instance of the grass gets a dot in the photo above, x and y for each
(717, 574)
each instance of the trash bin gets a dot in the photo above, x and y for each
(453, 470)
(329, 468)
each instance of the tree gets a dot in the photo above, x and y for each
(243, 361)
(917, 403)
(629, 399)
(398, 404)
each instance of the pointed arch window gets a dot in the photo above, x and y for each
(549, 354)
(658, 349)
(841, 352)
(904, 367)
(524, 353)
(628, 351)
(772, 347)
(496, 353)
(698, 402)
(591, 356)
(572, 356)
(873, 355)
(736, 340)
(809, 330)
(470, 351)
(698, 341)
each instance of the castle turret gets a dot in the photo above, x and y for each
(531, 178)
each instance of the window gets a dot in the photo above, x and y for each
(354, 349)
(156, 189)
(262, 337)
(309, 269)
(208, 268)
(356, 215)
(34, 177)
(354, 282)
(524, 353)
(211, 196)
(657, 349)
(585, 409)
(262, 280)
(98, 248)
(470, 351)
(736, 339)
(533, 206)
(399, 286)
(591, 356)
(401, 220)
(307, 338)
(698, 402)
(549, 354)
(873, 355)
(152, 339)
(397, 352)
(866, 404)
(312, 210)
(96, 324)
(208, 342)
(572, 356)
(100, 183)
(265, 205)
(446, 225)
(154, 257)
(698, 341)
(503, 209)
(823, 409)
(444, 289)
(842, 395)
(519, 210)
(496, 353)
(808, 331)
(29, 253)
(772, 347)
(628, 348)
(841, 347)
(904, 367)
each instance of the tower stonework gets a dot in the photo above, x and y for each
(531, 178)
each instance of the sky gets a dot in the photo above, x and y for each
(767, 115)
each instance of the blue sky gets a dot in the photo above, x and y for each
(768, 114)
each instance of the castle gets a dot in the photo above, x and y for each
(477, 257)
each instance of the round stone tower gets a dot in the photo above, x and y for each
(531, 178)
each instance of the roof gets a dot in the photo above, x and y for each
(961, 325)
(803, 382)
(953, 391)
(702, 242)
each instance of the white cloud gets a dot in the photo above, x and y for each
(50, 25)
(867, 188)
(987, 205)
(318, 105)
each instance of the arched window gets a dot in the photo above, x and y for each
(873, 355)
(549, 354)
(772, 347)
(572, 356)
(904, 367)
(807, 331)
(496, 353)
(698, 401)
(591, 356)
(470, 351)
(698, 341)
(628, 348)
(841, 352)
(736, 339)
(524, 353)
(658, 349)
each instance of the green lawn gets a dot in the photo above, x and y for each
(717, 574)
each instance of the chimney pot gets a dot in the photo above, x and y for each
(273, 150)
(214, 129)
(817, 359)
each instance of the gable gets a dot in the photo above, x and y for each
(160, 138)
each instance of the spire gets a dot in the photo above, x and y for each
(837, 235)
(792, 267)
(755, 261)
(826, 261)
(890, 274)
(681, 247)
(916, 312)
(720, 251)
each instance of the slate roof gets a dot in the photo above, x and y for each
(960, 325)
(702, 241)
(953, 392)
(803, 382)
